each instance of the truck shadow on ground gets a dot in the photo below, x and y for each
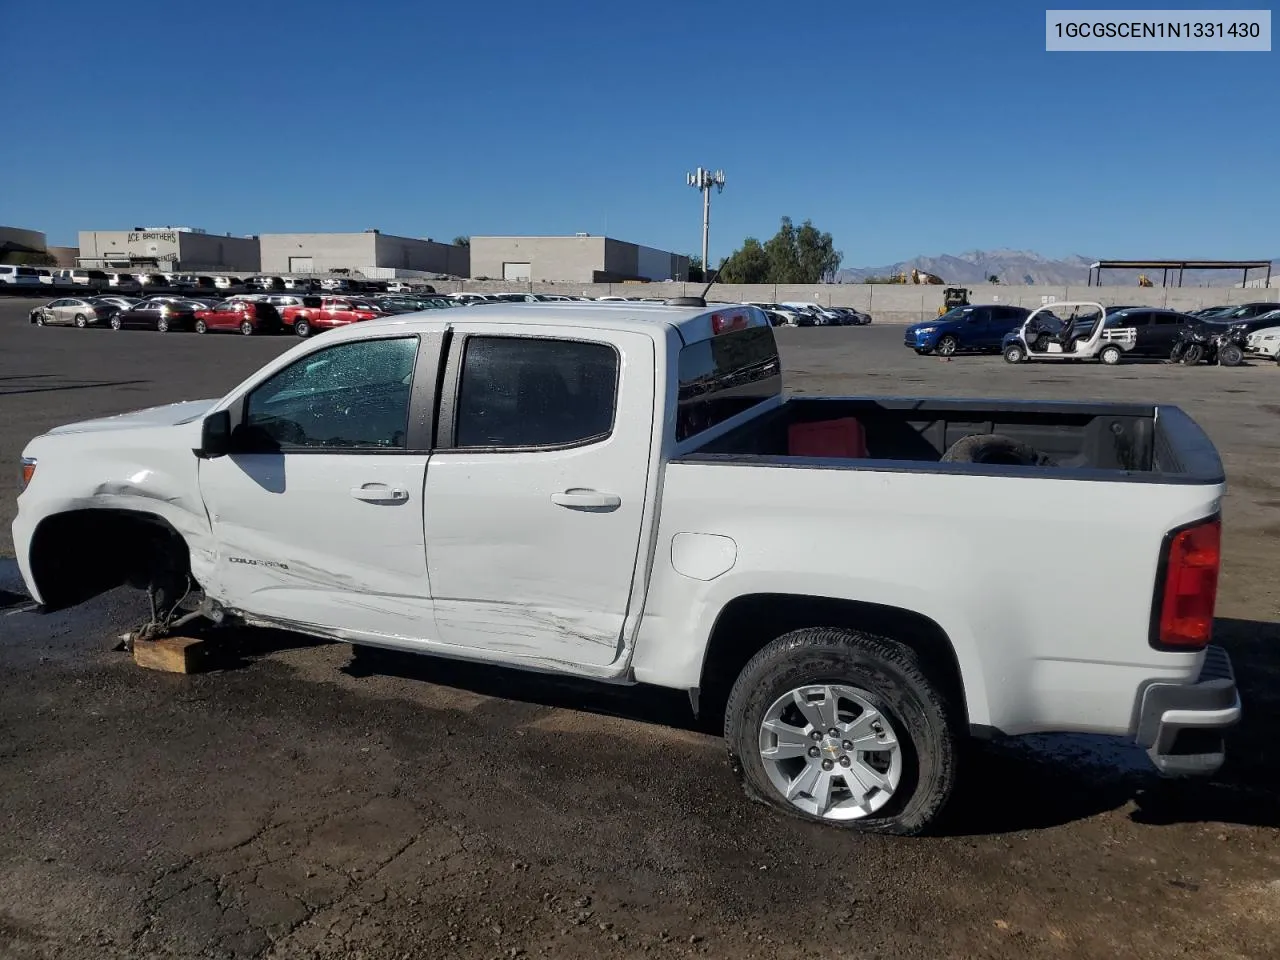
(1011, 785)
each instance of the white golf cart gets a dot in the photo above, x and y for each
(1051, 332)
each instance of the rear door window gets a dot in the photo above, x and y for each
(535, 392)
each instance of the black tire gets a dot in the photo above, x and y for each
(116, 323)
(162, 324)
(1192, 355)
(946, 346)
(1041, 344)
(302, 328)
(1014, 353)
(82, 321)
(39, 319)
(1110, 355)
(995, 448)
(891, 676)
(1230, 355)
(246, 327)
(201, 327)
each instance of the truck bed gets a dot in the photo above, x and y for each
(1082, 440)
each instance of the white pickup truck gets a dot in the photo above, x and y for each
(622, 492)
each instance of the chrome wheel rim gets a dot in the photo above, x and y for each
(946, 347)
(829, 752)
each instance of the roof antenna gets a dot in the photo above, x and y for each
(701, 299)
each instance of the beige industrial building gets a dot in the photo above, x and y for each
(169, 249)
(579, 259)
(371, 253)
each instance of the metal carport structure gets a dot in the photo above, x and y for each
(1180, 265)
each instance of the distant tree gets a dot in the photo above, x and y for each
(462, 241)
(697, 274)
(792, 255)
(993, 279)
(748, 264)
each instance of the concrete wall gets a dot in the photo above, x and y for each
(887, 303)
(574, 259)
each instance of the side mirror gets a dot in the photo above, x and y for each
(215, 436)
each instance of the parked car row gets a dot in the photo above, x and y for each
(24, 276)
(1223, 335)
(247, 314)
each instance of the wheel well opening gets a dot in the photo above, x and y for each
(748, 623)
(82, 553)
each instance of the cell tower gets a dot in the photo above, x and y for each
(704, 180)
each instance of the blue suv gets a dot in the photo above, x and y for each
(977, 328)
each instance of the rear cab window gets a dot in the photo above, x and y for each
(724, 375)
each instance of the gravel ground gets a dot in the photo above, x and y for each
(310, 801)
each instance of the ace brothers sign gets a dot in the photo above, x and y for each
(142, 236)
(158, 245)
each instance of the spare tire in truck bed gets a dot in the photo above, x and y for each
(995, 448)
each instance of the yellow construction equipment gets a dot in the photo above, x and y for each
(953, 297)
(1144, 280)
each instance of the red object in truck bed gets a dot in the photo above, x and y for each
(827, 438)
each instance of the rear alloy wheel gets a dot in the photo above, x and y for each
(81, 321)
(162, 325)
(1014, 353)
(201, 327)
(302, 328)
(1230, 355)
(246, 328)
(115, 323)
(842, 728)
(1110, 356)
(946, 346)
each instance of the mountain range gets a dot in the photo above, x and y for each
(1026, 267)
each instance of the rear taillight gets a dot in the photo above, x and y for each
(1187, 587)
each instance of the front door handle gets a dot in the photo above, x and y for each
(380, 493)
(580, 498)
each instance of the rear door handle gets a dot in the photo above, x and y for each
(380, 493)
(582, 499)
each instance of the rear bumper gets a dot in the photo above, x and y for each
(1181, 725)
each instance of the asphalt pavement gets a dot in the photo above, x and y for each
(308, 800)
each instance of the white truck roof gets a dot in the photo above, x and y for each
(692, 323)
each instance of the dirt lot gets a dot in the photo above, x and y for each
(305, 802)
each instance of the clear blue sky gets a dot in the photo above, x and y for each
(934, 127)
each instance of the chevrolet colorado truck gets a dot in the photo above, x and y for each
(623, 492)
